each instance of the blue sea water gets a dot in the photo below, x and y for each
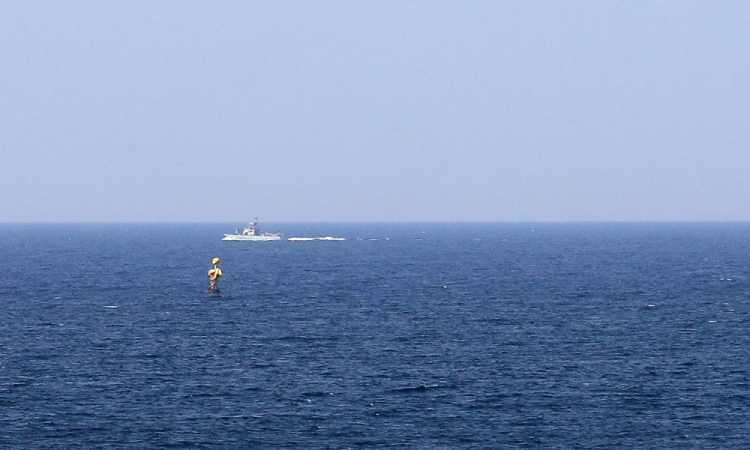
(437, 336)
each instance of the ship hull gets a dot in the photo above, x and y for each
(240, 237)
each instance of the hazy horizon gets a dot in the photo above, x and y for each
(400, 222)
(339, 112)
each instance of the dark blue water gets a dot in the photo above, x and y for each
(432, 336)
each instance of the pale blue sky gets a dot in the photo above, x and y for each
(374, 111)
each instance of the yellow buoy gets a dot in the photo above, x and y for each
(213, 276)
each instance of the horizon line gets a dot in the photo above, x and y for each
(164, 222)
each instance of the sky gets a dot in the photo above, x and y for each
(360, 111)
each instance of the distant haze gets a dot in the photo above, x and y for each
(374, 111)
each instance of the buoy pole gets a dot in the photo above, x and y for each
(213, 277)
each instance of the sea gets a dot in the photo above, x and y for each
(397, 335)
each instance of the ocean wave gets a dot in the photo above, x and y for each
(327, 238)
